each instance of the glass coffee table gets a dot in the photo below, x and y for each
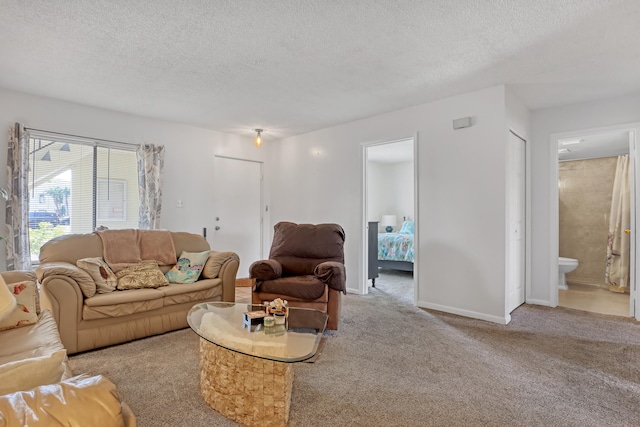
(246, 370)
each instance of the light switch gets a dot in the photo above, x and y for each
(179, 203)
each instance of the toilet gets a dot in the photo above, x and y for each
(565, 265)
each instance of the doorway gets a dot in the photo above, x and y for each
(587, 163)
(238, 215)
(390, 209)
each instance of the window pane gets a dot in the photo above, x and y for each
(62, 183)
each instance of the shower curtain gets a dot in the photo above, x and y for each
(617, 270)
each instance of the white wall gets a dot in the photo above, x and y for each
(390, 187)
(461, 175)
(189, 151)
(614, 111)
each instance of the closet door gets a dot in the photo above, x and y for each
(516, 190)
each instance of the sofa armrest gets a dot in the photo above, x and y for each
(228, 272)
(266, 269)
(81, 400)
(333, 274)
(15, 276)
(60, 293)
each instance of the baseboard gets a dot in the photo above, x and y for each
(538, 302)
(466, 313)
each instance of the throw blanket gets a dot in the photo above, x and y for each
(122, 248)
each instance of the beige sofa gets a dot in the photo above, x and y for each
(31, 349)
(104, 319)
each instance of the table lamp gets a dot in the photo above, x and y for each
(389, 221)
(7, 300)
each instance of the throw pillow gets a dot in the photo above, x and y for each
(26, 374)
(139, 276)
(27, 308)
(77, 401)
(214, 263)
(100, 272)
(188, 268)
(407, 228)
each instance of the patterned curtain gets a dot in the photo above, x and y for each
(17, 211)
(618, 245)
(150, 167)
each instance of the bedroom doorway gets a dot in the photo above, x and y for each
(390, 209)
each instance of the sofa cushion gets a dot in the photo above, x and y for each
(303, 287)
(198, 291)
(214, 263)
(121, 303)
(26, 311)
(106, 281)
(188, 267)
(94, 400)
(28, 373)
(144, 275)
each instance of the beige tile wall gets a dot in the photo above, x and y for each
(584, 189)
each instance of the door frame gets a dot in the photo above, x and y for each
(554, 232)
(364, 241)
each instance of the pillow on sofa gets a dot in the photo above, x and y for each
(78, 401)
(28, 373)
(139, 276)
(214, 263)
(100, 272)
(188, 268)
(26, 311)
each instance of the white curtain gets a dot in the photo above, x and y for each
(618, 245)
(150, 167)
(17, 204)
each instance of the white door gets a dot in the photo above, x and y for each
(238, 214)
(516, 190)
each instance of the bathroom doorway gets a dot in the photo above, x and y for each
(596, 216)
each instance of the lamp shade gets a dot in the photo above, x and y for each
(389, 221)
(7, 300)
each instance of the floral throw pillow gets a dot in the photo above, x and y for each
(26, 311)
(98, 269)
(139, 276)
(188, 268)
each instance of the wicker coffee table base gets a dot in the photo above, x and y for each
(246, 389)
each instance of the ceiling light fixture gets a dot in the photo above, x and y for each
(258, 140)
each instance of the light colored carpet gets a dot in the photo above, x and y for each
(394, 364)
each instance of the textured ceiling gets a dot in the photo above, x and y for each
(293, 66)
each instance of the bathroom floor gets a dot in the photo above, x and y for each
(594, 299)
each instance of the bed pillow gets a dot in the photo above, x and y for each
(27, 308)
(407, 228)
(139, 276)
(100, 272)
(28, 373)
(188, 268)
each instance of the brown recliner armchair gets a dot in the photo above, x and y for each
(305, 267)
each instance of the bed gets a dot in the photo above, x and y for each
(393, 251)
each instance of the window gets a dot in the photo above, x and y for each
(77, 184)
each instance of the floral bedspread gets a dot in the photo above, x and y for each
(395, 247)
